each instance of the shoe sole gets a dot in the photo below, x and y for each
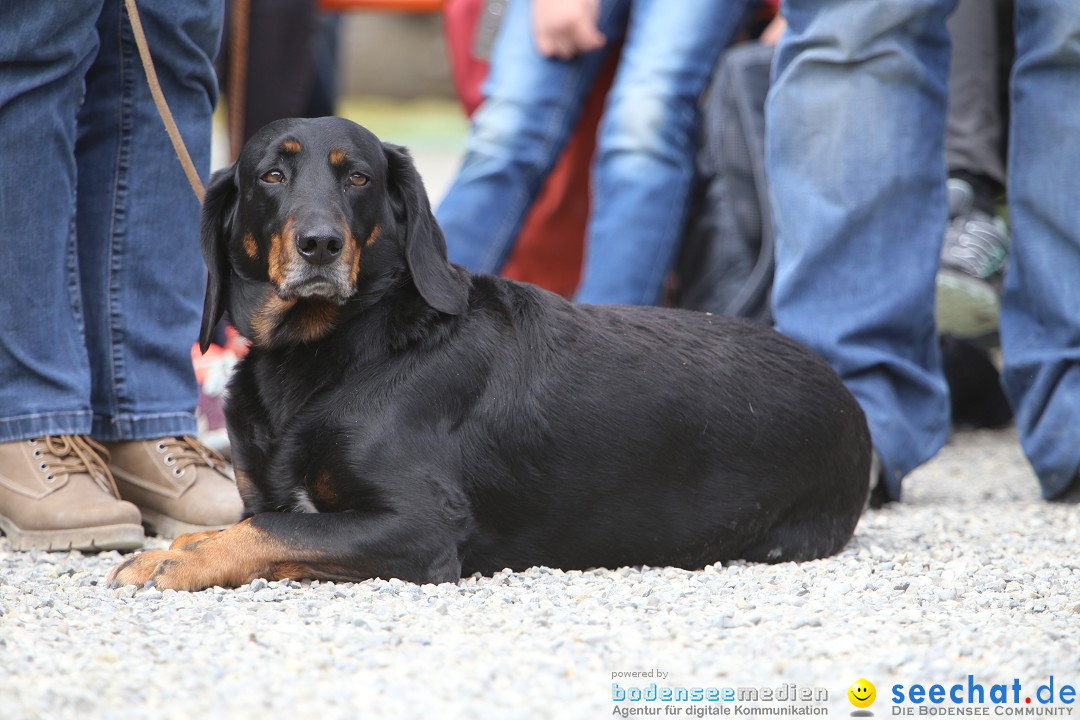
(967, 308)
(90, 539)
(170, 528)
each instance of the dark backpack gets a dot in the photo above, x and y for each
(725, 264)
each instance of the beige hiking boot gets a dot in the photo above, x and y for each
(179, 484)
(56, 493)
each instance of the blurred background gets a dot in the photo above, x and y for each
(381, 63)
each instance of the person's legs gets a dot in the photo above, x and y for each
(646, 146)
(1040, 322)
(142, 275)
(55, 492)
(530, 106)
(854, 151)
(44, 370)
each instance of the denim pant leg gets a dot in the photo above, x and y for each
(531, 104)
(854, 151)
(646, 145)
(1040, 320)
(141, 271)
(45, 50)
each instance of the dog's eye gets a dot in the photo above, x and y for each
(357, 179)
(273, 176)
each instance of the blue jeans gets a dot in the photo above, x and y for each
(101, 280)
(855, 157)
(645, 144)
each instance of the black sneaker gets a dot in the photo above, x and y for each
(1071, 495)
(973, 258)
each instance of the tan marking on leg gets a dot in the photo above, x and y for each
(337, 157)
(291, 146)
(228, 558)
(295, 571)
(188, 539)
(250, 247)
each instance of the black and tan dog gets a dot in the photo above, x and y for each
(399, 417)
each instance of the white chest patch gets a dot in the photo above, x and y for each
(302, 502)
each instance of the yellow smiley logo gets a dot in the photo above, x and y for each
(862, 693)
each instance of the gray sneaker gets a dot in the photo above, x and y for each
(973, 259)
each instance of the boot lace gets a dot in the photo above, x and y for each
(71, 454)
(183, 452)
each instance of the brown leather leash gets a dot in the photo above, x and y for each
(159, 101)
(235, 120)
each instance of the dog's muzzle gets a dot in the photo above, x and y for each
(320, 246)
(320, 271)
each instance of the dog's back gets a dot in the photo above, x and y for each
(607, 435)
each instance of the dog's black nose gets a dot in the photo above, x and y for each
(320, 246)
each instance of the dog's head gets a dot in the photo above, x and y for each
(313, 215)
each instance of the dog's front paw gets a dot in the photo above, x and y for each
(163, 569)
(189, 540)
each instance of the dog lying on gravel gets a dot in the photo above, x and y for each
(399, 417)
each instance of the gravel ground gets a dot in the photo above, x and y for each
(972, 574)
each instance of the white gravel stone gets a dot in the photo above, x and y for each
(971, 574)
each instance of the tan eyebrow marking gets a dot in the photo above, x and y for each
(337, 157)
(291, 146)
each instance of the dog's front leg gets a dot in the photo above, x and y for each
(346, 546)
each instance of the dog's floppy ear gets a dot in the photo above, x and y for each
(441, 286)
(218, 217)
